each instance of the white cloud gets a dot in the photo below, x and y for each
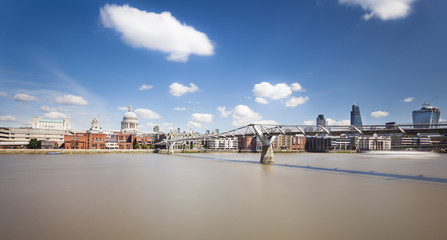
(62, 109)
(408, 100)
(8, 118)
(192, 124)
(202, 117)
(3, 94)
(123, 108)
(275, 92)
(309, 122)
(243, 115)
(68, 99)
(153, 31)
(48, 109)
(383, 9)
(296, 87)
(180, 109)
(147, 113)
(332, 122)
(54, 115)
(378, 114)
(178, 89)
(442, 120)
(261, 100)
(25, 98)
(145, 87)
(223, 112)
(295, 101)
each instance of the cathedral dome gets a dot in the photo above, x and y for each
(130, 122)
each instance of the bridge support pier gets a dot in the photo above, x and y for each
(267, 156)
(170, 148)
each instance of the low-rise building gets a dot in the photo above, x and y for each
(20, 137)
(372, 143)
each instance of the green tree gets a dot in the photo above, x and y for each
(152, 146)
(137, 146)
(145, 147)
(33, 143)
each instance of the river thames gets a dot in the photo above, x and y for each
(223, 196)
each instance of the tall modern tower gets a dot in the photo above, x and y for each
(426, 116)
(321, 121)
(356, 119)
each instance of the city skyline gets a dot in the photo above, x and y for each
(221, 65)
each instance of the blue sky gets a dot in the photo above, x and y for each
(220, 64)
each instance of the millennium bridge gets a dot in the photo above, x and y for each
(267, 133)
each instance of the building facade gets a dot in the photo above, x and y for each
(374, 143)
(321, 121)
(51, 124)
(20, 137)
(426, 116)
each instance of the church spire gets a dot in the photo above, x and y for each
(130, 107)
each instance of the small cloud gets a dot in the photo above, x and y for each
(48, 109)
(156, 31)
(202, 117)
(295, 101)
(147, 113)
(123, 108)
(296, 87)
(192, 124)
(378, 114)
(8, 118)
(3, 94)
(55, 115)
(442, 120)
(68, 99)
(274, 92)
(145, 87)
(62, 109)
(178, 89)
(408, 100)
(383, 9)
(180, 109)
(223, 112)
(309, 122)
(243, 115)
(25, 98)
(332, 122)
(261, 100)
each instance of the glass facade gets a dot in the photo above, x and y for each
(356, 119)
(426, 116)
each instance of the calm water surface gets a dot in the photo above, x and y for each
(223, 196)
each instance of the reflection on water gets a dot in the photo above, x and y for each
(223, 196)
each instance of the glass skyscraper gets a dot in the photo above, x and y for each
(356, 119)
(321, 121)
(426, 116)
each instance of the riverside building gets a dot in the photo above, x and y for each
(51, 124)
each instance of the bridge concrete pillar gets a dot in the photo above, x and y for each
(170, 148)
(267, 156)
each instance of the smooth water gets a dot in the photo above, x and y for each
(223, 196)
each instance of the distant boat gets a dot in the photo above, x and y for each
(54, 153)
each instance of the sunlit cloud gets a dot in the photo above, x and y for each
(55, 115)
(223, 112)
(383, 9)
(177, 89)
(8, 118)
(70, 100)
(378, 114)
(145, 87)
(295, 101)
(147, 113)
(408, 100)
(156, 31)
(25, 98)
